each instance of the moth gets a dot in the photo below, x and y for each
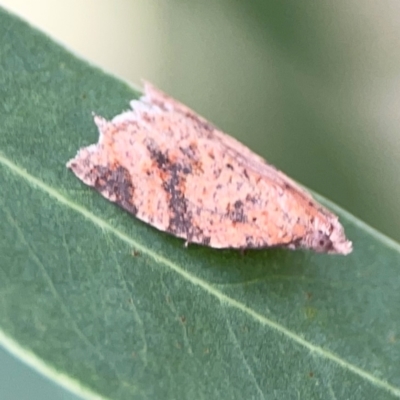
(174, 170)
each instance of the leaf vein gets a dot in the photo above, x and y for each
(136, 314)
(246, 364)
(53, 289)
(174, 311)
(224, 299)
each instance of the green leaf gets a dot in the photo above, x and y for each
(106, 305)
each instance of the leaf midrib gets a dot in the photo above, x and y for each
(31, 359)
(224, 299)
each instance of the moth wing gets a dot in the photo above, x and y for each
(234, 197)
(174, 170)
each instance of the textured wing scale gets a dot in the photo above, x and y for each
(174, 170)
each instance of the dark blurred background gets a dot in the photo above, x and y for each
(314, 87)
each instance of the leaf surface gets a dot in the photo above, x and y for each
(108, 306)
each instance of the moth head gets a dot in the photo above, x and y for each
(329, 239)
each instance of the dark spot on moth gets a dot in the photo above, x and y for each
(159, 157)
(186, 170)
(189, 151)
(251, 199)
(173, 183)
(249, 242)
(206, 240)
(217, 173)
(237, 213)
(324, 243)
(180, 220)
(117, 183)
